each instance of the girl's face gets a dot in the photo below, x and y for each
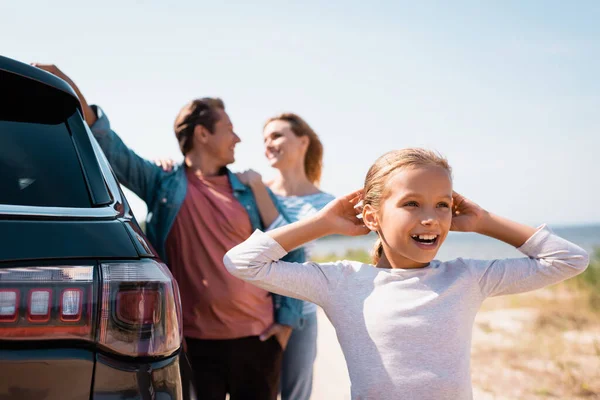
(282, 147)
(415, 215)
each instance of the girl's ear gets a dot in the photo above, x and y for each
(370, 218)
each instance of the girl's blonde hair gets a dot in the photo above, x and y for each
(379, 173)
(313, 160)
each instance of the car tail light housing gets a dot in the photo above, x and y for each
(33, 305)
(130, 308)
(141, 311)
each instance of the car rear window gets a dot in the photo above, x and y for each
(39, 165)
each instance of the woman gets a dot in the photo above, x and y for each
(293, 148)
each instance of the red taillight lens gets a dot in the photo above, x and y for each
(140, 310)
(138, 307)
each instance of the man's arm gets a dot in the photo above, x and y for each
(136, 173)
(88, 113)
(139, 175)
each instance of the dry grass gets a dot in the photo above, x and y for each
(539, 345)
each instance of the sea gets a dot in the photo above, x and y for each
(465, 245)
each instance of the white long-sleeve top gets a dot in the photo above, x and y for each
(406, 333)
(297, 208)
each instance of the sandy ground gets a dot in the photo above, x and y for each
(511, 359)
(331, 381)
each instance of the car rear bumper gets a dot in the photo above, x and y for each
(123, 380)
(70, 374)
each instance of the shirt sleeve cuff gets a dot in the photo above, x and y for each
(271, 248)
(534, 244)
(289, 319)
(102, 124)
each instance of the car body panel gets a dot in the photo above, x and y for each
(40, 236)
(48, 374)
(48, 239)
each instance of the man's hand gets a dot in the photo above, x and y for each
(88, 113)
(54, 70)
(281, 332)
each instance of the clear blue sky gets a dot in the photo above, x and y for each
(507, 90)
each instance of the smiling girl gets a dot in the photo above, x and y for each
(405, 322)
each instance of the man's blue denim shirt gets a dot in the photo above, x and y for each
(164, 193)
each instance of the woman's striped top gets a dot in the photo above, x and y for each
(297, 208)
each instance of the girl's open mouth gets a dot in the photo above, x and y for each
(425, 240)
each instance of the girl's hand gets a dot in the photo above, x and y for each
(337, 218)
(340, 216)
(466, 215)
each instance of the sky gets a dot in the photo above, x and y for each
(508, 91)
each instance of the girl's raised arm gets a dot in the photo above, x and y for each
(338, 217)
(550, 260)
(257, 259)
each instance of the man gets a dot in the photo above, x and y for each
(196, 213)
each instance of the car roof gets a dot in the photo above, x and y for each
(36, 74)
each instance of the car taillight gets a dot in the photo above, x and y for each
(141, 313)
(40, 305)
(71, 305)
(36, 303)
(140, 309)
(9, 305)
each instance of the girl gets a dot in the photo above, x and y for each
(405, 323)
(293, 148)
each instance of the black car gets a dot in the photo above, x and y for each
(87, 309)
